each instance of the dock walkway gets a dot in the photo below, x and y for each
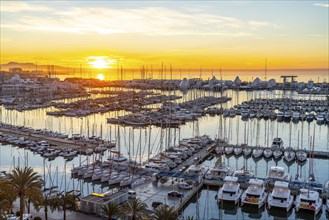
(156, 192)
(58, 143)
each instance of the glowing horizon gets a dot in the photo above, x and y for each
(230, 35)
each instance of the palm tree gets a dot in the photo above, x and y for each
(45, 204)
(4, 206)
(7, 198)
(64, 202)
(164, 212)
(135, 209)
(111, 210)
(26, 184)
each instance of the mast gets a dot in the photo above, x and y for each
(149, 145)
(118, 140)
(297, 174)
(140, 146)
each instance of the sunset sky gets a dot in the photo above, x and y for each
(186, 34)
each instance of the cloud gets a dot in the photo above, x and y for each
(323, 5)
(261, 24)
(317, 35)
(145, 20)
(14, 6)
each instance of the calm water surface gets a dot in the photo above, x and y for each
(254, 132)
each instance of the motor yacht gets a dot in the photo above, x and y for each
(243, 175)
(156, 167)
(198, 170)
(308, 200)
(218, 172)
(277, 143)
(69, 153)
(277, 173)
(280, 196)
(50, 153)
(255, 193)
(230, 191)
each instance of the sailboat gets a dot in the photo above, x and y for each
(257, 152)
(309, 199)
(267, 153)
(246, 150)
(117, 160)
(244, 174)
(289, 153)
(301, 155)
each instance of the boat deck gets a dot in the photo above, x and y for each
(314, 154)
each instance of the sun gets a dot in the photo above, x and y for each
(99, 63)
(100, 76)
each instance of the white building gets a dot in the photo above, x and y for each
(184, 84)
(271, 84)
(237, 81)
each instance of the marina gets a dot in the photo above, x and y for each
(164, 110)
(173, 164)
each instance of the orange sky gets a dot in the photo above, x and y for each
(233, 35)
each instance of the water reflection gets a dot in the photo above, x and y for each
(279, 213)
(253, 132)
(229, 208)
(303, 214)
(253, 211)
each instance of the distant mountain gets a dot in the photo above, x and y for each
(32, 66)
(18, 65)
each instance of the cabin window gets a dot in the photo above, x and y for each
(307, 201)
(228, 192)
(278, 198)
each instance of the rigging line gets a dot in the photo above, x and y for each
(125, 139)
(49, 173)
(142, 152)
(156, 137)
